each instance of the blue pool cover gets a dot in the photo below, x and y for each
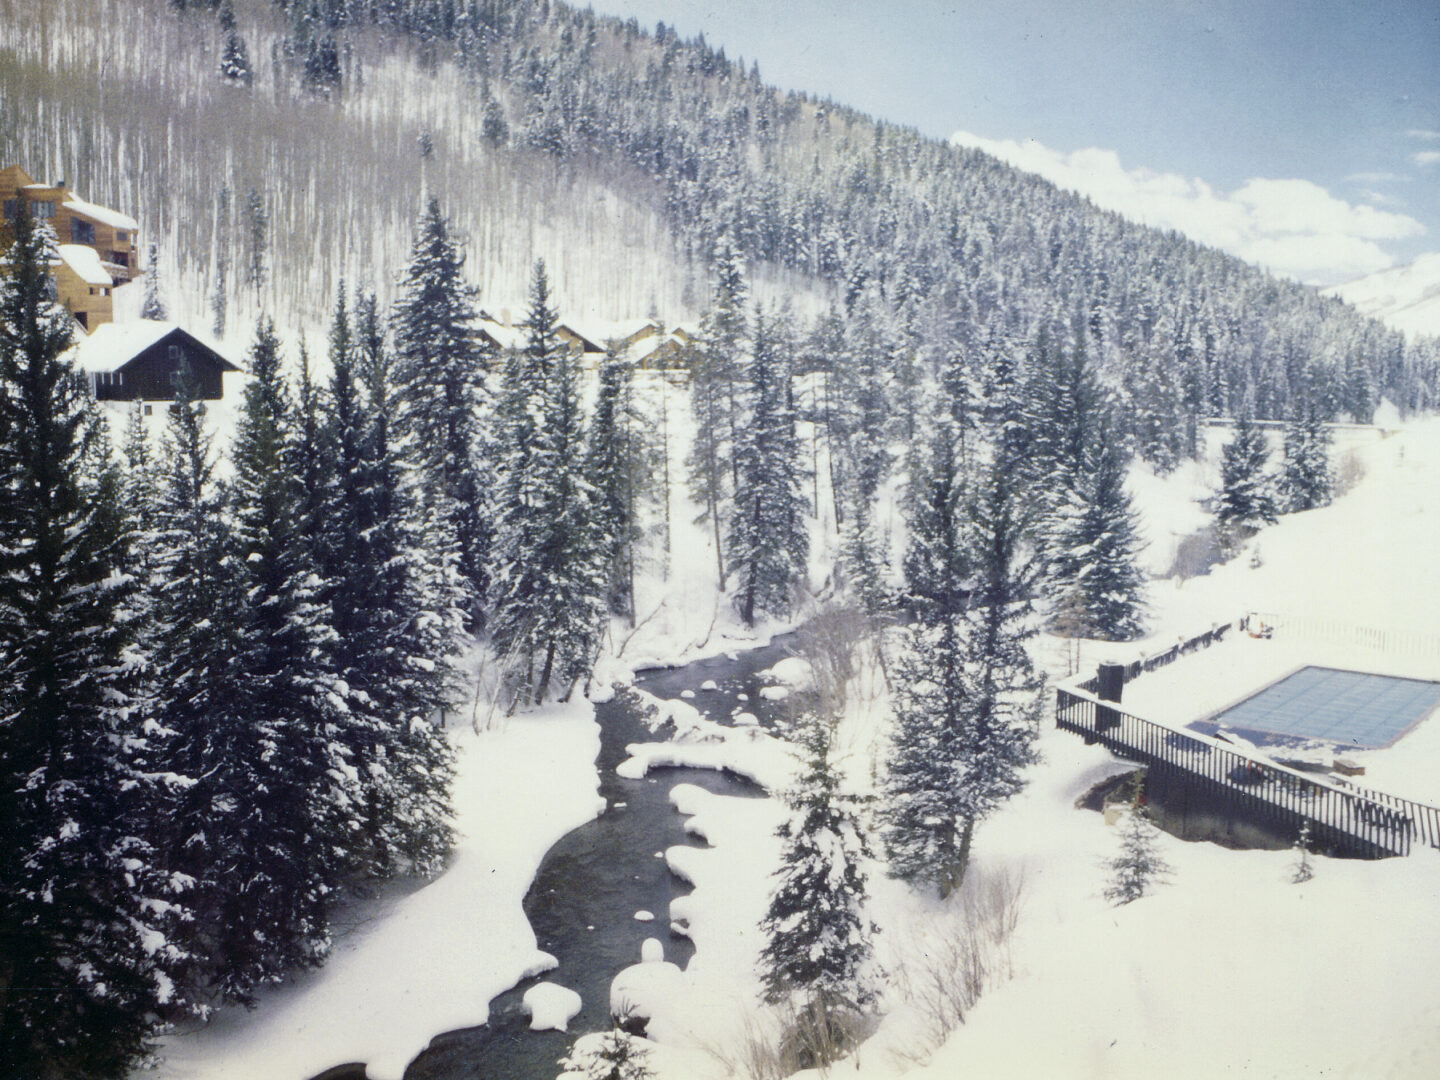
(1346, 708)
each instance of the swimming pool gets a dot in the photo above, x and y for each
(1346, 708)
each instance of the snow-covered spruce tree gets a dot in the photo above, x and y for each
(549, 580)
(616, 465)
(859, 408)
(1245, 500)
(817, 956)
(617, 1055)
(439, 372)
(1063, 411)
(967, 700)
(284, 784)
(937, 556)
(1306, 481)
(395, 605)
(1301, 871)
(1138, 865)
(195, 624)
(1096, 587)
(768, 543)
(715, 385)
(153, 306)
(234, 56)
(87, 955)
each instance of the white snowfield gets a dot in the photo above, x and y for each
(430, 961)
(1406, 298)
(1226, 970)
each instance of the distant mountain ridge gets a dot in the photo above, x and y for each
(624, 157)
(1405, 298)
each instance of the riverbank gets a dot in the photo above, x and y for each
(423, 960)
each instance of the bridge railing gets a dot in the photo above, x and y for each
(1354, 820)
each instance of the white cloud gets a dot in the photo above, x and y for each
(1376, 177)
(1291, 227)
(1423, 133)
(1426, 157)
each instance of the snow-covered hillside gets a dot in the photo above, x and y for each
(1406, 298)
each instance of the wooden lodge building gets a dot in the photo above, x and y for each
(97, 245)
(143, 360)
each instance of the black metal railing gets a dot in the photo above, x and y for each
(1344, 819)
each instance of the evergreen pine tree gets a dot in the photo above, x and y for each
(439, 374)
(1244, 501)
(153, 307)
(1096, 586)
(967, 700)
(1302, 871)
(1138, 865)
(617, 1056)
(549, 588)
(817, 954)
(282, 742)
(234, 56)
(195, 615)
(395, 606)
(769, 544)
(87, 916)
(258, 242)
(1306, 481)
(714, 389)
(937, 558)
(616, 461)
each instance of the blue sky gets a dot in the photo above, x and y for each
(1301, 134)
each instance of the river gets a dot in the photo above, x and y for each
(583, 900)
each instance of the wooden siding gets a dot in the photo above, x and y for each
(151, 375)
(92, 305)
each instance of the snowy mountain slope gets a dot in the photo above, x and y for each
(1406, 298)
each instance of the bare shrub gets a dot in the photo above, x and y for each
(789, 1038)
(1349, 472)
(958, 953)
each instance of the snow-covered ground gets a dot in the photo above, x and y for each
(1228, 969)
(1406, 297)
(429, 960)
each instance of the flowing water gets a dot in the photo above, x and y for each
(583, 901)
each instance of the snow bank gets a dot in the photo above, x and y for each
(428, 961)
(551, 1006)
(704, 744)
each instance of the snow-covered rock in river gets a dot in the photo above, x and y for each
(792, 672)
(644, 989)
(774, 693)
(551, 1006)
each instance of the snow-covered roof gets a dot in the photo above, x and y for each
(507, 337)
(85, 261)
(622, 330)
(111, 346)
(103, 215)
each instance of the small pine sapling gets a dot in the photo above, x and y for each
(1302, 871)
(1139, 864)
(617, 1055)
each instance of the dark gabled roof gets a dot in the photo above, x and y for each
(112, 346)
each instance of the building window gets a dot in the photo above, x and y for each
(12, 209)
(81, 232)
(43, 209)
(122, 237)
(175, 379)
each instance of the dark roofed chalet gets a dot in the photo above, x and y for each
(143, 360)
